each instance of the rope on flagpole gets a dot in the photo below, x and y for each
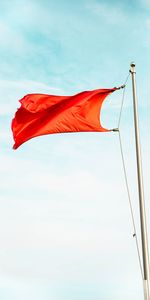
(126, 178)
(122, 102)
(130, 203)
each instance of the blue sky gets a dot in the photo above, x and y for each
(66, 230)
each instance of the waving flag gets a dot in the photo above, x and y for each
(42, 114)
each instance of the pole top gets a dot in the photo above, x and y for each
(132, 64)
(132, 69)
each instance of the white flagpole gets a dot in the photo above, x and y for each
(144, 239)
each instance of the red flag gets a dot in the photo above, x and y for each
(42, 114)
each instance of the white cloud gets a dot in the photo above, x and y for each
(11, 91)
(110, 13)
(11, 39)
(145, 3)
(60, 222)
(147, 22)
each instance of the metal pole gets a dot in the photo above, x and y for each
(144, 240)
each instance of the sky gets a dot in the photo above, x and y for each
(65, 225)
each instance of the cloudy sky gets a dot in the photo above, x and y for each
(65, 223)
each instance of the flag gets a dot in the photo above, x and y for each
(42, 114)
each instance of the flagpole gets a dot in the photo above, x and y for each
(143, 226)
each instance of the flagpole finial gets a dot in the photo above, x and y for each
(132, 69)
(132, 64)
